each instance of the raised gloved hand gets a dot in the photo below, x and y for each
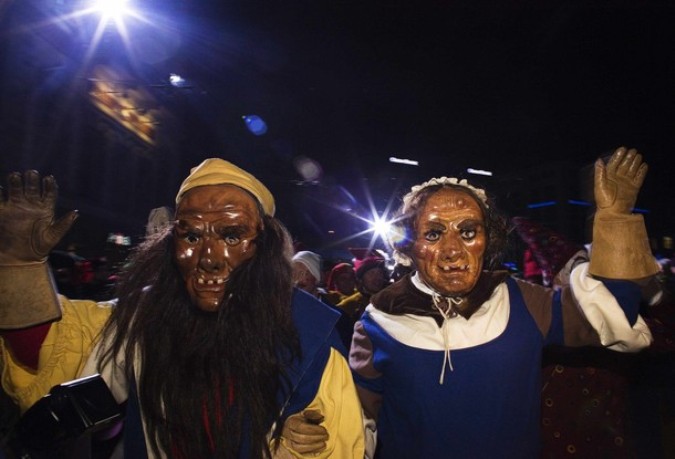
(303, 433)
(620, 248)
(27, 234)
(618, 182)
(28, 231)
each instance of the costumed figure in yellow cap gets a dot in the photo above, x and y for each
(209, 345)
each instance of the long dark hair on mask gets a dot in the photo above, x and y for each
(496, 224)
(209, 383)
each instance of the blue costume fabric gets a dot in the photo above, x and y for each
(487, 404)
(508, 412)
(315, 323)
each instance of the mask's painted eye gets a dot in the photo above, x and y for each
(190, 237)
(468, 234)
(232, 235)
(232, 239)
(187, 232)
(432, 235)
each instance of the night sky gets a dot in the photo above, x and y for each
(454, 86)
(500, 86)
(473, 85)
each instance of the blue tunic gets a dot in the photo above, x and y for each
(495, 386)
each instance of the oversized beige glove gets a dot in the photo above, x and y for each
(620, 248)
(28, 232)
(303, 434)
(618, 182)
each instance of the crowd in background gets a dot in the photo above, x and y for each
(595, 402)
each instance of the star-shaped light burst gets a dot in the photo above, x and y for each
(380, 226)
(112, 10)
(116, 12)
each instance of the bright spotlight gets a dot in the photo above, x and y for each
(112, 9)
(381, 227)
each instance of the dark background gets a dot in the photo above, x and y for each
(510, 87)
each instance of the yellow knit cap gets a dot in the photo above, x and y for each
(216, 171)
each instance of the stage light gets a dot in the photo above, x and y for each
(471, 170)
(380, 227)
(112, 9)
(408, 162)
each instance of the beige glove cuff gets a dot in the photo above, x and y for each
(620, 247)
(27, 295)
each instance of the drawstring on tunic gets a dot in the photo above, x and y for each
(447, 312)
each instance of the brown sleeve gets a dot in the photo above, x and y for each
(577, 330)
(361, 362)
(361, 354)
(539, 301)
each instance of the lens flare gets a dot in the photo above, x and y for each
(255, 124)
(397, 235)
(112, 9)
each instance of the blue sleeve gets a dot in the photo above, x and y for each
(315, 323)
(372, 384)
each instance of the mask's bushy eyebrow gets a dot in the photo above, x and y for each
(470, 223)
(426, 226)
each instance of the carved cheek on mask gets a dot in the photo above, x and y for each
(214, 234)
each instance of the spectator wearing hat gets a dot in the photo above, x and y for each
(307, 276)
(341, 283)
(371, 277)
(307, 272)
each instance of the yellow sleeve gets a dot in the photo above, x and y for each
(338, 401)
(62, 354)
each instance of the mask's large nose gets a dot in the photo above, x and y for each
(211, 256)
(451, 247)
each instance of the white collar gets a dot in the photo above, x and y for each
(420, 285)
